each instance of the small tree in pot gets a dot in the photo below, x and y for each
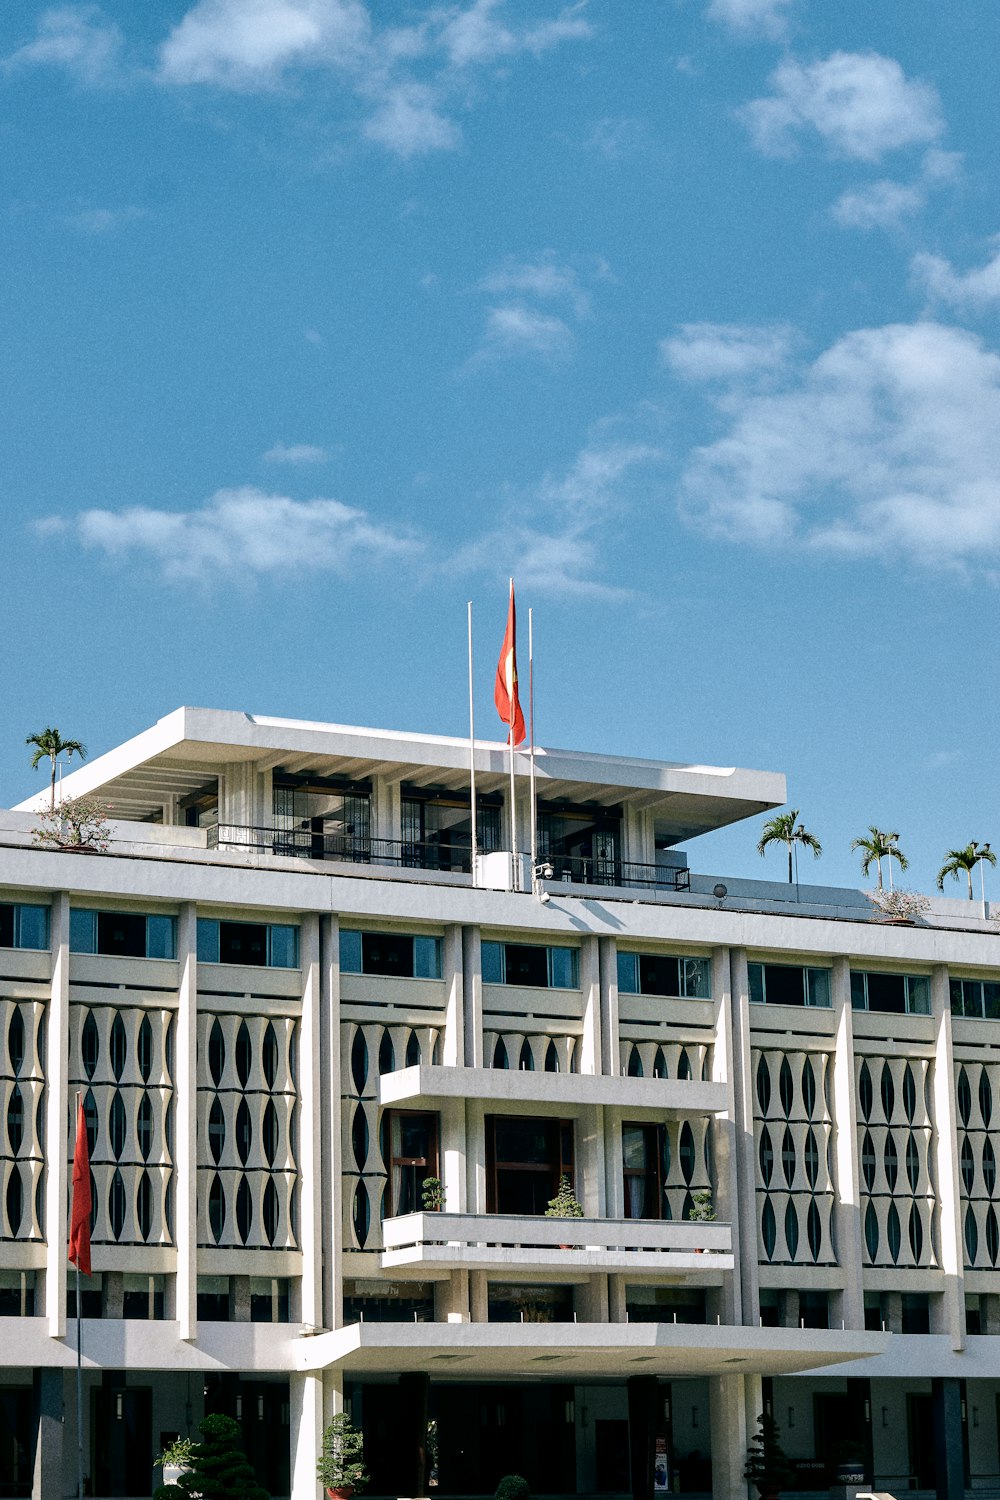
(432, 1195)
(768, 1467)
(340, 1467)
(564, 1205)
(216, 1466)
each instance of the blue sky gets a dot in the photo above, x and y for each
(318, 319)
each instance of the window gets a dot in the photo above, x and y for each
(891, 994)
(388, 1302)
(410, 1151)
(916, 1313)
(17, 1293)
(142, 1296)
(213, 1299)
(787, 984)
(581, 843)
(269, 1299)
(321, 820)
(437, 829)
(660, 1304)
(24, 926)
(662, 974)
(645, 1164)
(256, 944)
(400, 955)
(517, 1303)
(977, 999)
(122, 934)
(531, 966)
(525, 1159)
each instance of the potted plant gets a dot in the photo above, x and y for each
(220, 1452)
(702, 1211)
(432, 1195)
(898, 907)
(768, 1467)
(564, 1205)
(175, 1459)
(77, 826)
(513, 1487)
(340, 1467)
(851, 1460)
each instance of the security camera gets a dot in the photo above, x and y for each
(544, 897)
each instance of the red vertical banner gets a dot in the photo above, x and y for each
(505, 694)
(79, 1224)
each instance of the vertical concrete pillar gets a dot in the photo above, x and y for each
(57, 1116)
(949, 1461)
(453, 1051)
(479, 1307)
(728, 1417)
(946, 1162)
(724, 1133)
(847, 1203)
(387, 821)
(472, 996)
(475, 1157)
(453, 1155)
(590, 1186)
(610, 1036)
(331, 1201)
(614, 1179)
(414, 1392)
(47, 1399)
(746, 1179)
(305, 1403)
(642, 1424)
(310, 1056)
(186, 1124)
(616, 1298)
(590, 984)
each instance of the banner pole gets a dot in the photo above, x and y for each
(512, 698)
(472, 758)
(531, 740)
(79, 1360)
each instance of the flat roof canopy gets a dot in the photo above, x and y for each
(189, 748)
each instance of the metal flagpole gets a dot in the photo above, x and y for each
(511, 698)
(79, 1360)
(531, 745)
(472, 755)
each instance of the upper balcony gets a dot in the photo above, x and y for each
(425, 1087)
(512, 1242)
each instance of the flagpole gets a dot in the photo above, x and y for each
(79, 1357)
(510, 745)
(531, 745)
(472, 757)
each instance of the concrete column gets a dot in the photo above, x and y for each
(949, 1461)
(614, 1178)
(724, 1134)
(305, 1402)
(453, 1155)
(331, 1238)
(414, 1391)
(475, 1157)
(590, 1185)
(642, 1424)
(387, 818)
(616, 1298)
(847, 1203)
(590, 1300)
(241, 799)
(453, 1052)
(472, 996)
(728, 1417)
(186, 1124)
(57, 1134)
(47, 1399)
(946, 1162)
(479, 1297)
(310, 1057)
(590, 984)
(610, 1036)
(451, 1303)
(746, 1178)
(112, 1294)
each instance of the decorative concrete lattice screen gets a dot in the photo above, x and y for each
(680, 1060)
(894, 1143)
(532, 1052)
(977, 1098)
(120, 1058)
(367, 1052)
(21, 1088)
(247, 1175)
(792, 1128)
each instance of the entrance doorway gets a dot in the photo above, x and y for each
(122, 1437)
(920, 1440)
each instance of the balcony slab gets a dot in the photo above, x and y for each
(423, 1087)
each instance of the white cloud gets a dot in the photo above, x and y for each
(724, 351)
(525, 323)
(249, 43)
(409, 122)
(476, 35)
(515, 329)
(970, 289)
(295, 453)
(764, 17)
(98, 221)
(879, 205)
(590, 484)
(615, 138)
(241, 533)
(887, 445)
(80, 39)
(544, 279)
(860, 104)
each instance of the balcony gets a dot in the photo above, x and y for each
(510, 1242)
(424, 1086)
(340, 848)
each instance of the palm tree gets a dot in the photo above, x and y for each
(51, 743)
(781, 829)
(876, 847)
(965, 859)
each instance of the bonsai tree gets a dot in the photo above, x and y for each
(877, 846)
(512, 1487)
(784, 828)
(564, 1205)
(768, 1467)
(702, 1210)
(432, 1195)
(965, 859)
(49, 742)
(78, 823)
(898, 906)
(340, 1467)
(217, 1466)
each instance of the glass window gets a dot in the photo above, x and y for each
(786, 984)
(142, 1296)
(32, 927)
(83, 931)
(492, 960)
(388, 1302)
(696, 978)
(918, 995)
(628, 973)
(525, 1159)
(121, 934)
(7, 926)
(563, 965)
(350, 951)
(17, 1294)
(895, 994)
(387, 953)
(208, 941)
(283, 947)
(268, 1299)
(427, 958)
(859, 998)
(161, 937)
(818, 989)
(213, 1299)
(756, 977)
(527, 965)
(243, 943)
(518, 1303)
(412, 1156)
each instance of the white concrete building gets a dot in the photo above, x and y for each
(288, 1004)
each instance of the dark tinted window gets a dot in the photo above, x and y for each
(387, 953)
(658, 975)
(243, 943)
(6, 927)
(785, 986)
(887, 992)
(527, 965)
(122, 933)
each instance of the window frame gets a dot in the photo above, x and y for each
(349, 934)
(908, 1010)
(16, 908)
(209, 951)
(810, 974)
(78, 913)
(501, 944)
(431, 1162)
(681, 959)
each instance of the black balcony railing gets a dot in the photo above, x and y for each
(308, 843)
